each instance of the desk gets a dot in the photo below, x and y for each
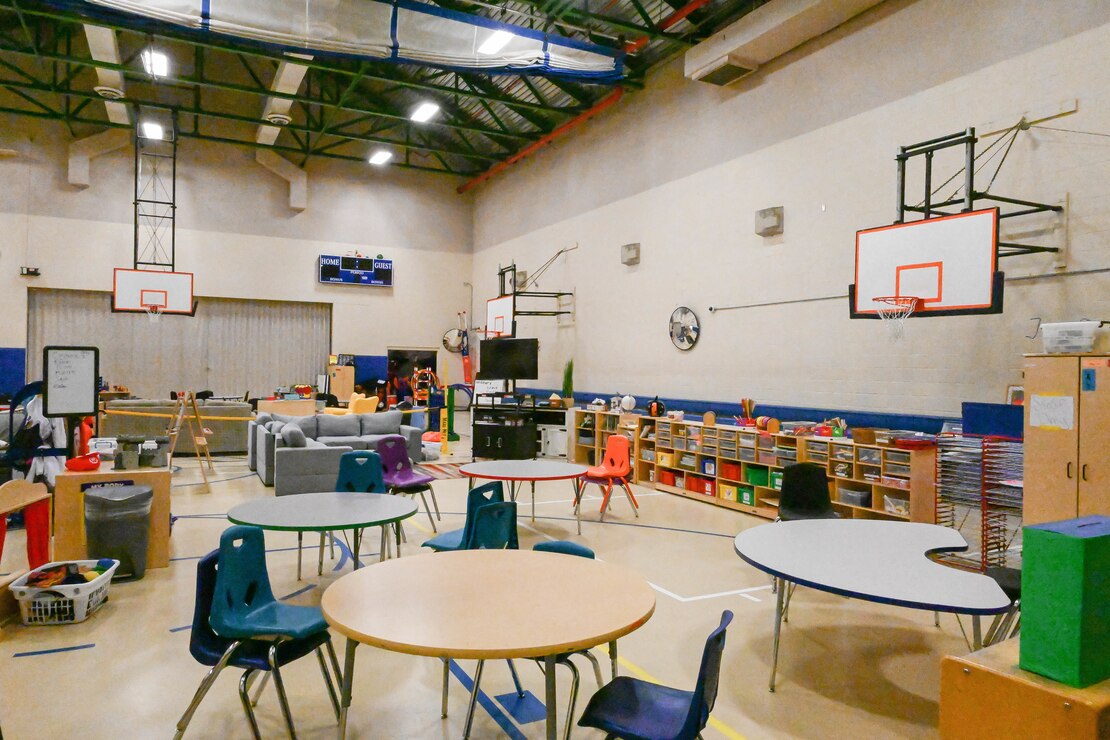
(298, 407)
(326, 512)
(519, 471)
(470, 604)
(69, 511)
(881, 561)
(985, 694)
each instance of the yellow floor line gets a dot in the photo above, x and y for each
(716, 724)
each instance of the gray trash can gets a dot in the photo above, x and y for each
(117, 525)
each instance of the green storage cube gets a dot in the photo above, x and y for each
(746, 495)
(756, 476)
(776, 480)
(1065, 600)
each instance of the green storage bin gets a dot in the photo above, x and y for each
(756, 476)
(1065, 600)
(776, 480)
(746, 495)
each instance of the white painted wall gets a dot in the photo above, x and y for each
(236, 233)
(682, 166)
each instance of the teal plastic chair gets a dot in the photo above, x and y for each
(244, 607)
(494, 528)
(360, 471)
(477, 497)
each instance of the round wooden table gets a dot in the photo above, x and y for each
(326, 512)
(516, 472)
(475, 604)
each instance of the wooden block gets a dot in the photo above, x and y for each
(69, 511)
(986, 695)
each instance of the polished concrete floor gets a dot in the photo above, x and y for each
(847, 668)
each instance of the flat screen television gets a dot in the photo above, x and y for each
(509, 359)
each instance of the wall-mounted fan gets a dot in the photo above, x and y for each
(684, 328)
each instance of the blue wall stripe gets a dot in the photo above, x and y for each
(487, 703)
(54, 650)
(13, 364)
(911, 422)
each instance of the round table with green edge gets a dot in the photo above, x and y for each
(326, 512)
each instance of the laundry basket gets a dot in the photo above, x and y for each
(62, 604)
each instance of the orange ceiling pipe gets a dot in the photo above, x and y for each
(536, 145)
(633, 46)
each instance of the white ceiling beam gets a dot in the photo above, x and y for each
(104, 47)
(287, 81)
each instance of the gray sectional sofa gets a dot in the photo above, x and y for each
(300, 454)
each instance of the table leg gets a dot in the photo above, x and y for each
(780, 595)
(976, 632)
(397, 529)
(358, 546)
(300, 541)
(474, 689)
(533, 500)
(446, 676)
(512, 490)
(577, 483)
(348, 681)
(382, 545)
(613, 658)
(549, 696)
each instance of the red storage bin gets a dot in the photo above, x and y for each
(666, 477)
(730, 471)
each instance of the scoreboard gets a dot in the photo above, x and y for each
(356, 271)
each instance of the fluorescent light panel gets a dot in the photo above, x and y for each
(495, 42)
(424, 112)
(151, 130)
(156, 63)
(380, 157)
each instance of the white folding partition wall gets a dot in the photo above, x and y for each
(230, 346)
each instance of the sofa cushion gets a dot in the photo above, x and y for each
(337, 426)
(292, 436)
(263, 418)
(274, 427)
(306, 423)
(372, 440)
(355, 443)
(384, 423)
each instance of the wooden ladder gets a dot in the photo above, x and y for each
(186, 411)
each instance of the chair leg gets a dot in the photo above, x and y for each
(446, 676)
(631, 498)
(516, 679)
(473, 699)
(605, 499)
(283, 700)
(327, 682)
(595, 664)
(260, 688)
(573, 696)
(428, 509)
(435, 503)
(202, 690)
(244, 688)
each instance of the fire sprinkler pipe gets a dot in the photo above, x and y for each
(630, 48)
(536, 145)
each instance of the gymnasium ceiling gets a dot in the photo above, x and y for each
(344, 108)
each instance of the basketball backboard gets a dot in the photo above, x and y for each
(144, 291)
(499, 316)
(950, 263)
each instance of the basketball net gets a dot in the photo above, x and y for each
(894, 310)
(153, 313)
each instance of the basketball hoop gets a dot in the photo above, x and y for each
(894, 310)
(153, 312)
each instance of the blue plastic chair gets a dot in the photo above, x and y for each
(244, 607)
(494, 528)
(251, 656)
(639, 710)
(477, 497)
(360, 471)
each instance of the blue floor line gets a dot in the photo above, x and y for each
(298, 592)
(181, 629)
(54, 650)
(487, 703)
(221, 480)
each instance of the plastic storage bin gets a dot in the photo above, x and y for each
(746, 495)
(776, 480)
(727, 492)
(62, 604)
(1069, 336)
(896, 505)
(756, 476)
(855, 498)
(117, 525)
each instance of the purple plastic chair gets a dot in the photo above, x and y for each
(399, 476)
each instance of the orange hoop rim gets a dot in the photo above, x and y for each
(905, 301)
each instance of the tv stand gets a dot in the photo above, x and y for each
(507, 426)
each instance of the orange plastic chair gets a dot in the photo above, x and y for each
(614, 470)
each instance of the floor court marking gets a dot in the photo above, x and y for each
(715, 723)
(51, 651)
(494, 711)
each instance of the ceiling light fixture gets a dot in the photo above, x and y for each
(424, 112)
(156, 63)
(151, 130)
(495, 42)
(380, 157)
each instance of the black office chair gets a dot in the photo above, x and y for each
(1007, 624)
(329, 400)
(204, 395)
(805, 493)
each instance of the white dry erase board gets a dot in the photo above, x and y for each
(70, 380)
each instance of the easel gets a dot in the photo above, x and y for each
(185, 410)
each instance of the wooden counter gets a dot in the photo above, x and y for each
(985, 694)
(299, 407)
(69, 511)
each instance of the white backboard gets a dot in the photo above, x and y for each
(135, 290)
(948, 262)
(499, 316)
